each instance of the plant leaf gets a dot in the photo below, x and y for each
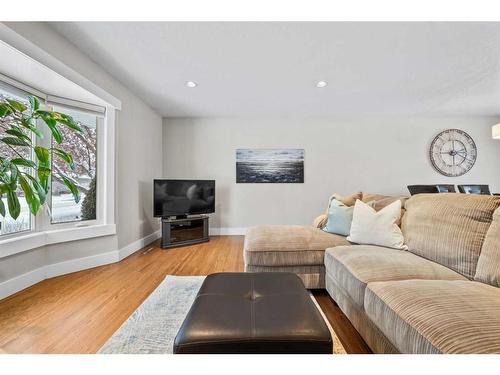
(13, 204)
(35, 104)
(38, 188)
(43, 155)
(67, 120)
(65, 157)
(18, 106)
(13, 141)
(16, 132)
(31, 197)
(24, 162)
(2, 207)
(5, 110)
(43, 174)
(71, 186)
(13, 176)
(26, 122)
(52, 124)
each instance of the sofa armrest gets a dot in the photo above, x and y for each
(320, 221)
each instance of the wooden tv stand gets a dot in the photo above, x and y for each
(185, 231)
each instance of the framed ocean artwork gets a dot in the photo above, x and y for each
(270, 165)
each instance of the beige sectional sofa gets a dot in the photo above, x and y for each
(440, 296)
(298, 248)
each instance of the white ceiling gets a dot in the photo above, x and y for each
(271, 69)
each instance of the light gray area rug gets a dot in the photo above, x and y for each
(152, 328)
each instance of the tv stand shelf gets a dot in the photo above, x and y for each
(185, 231)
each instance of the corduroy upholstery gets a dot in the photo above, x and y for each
(449, 228)
(300, 249)
(420, 301)
(313, 277)
(427, 316)
(356, 266)
(488, 265)
(282, 258)
(289, 248)
(356, 315)
(288, 238)
(423, 301)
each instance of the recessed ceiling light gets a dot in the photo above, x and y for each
(191, 84)
(321, 84)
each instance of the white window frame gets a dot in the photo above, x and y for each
(44, 222)
(43, 232)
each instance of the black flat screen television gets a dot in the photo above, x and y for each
(183, 197)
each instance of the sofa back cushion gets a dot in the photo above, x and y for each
(488, 265)
(449, 228)
(378, 202)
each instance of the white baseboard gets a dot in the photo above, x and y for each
(21, 282)
(137, 245)
(48, 271)
(228, 231)
(79, 264)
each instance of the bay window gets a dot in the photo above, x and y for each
(61, 218)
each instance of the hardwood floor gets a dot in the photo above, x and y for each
(77, 313)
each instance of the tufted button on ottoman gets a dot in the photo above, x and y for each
(253, 313)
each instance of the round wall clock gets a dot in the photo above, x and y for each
(453, 152)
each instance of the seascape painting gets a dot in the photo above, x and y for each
(270, 166)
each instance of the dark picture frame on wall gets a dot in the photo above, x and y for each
(265, 165)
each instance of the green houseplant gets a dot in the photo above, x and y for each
(19, 171)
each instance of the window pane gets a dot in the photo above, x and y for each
(22, 223)
(83, 148)
(8, 225)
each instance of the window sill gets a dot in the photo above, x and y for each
(19, 244)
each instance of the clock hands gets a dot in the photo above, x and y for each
(462, 153)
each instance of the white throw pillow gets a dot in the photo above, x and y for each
(370, 227)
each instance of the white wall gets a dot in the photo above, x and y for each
(344, 155)
(138, 161)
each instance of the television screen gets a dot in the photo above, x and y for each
(183, 197)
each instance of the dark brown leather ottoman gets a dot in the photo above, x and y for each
(253, 313)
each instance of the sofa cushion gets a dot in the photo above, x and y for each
(339, 218)
(320, 221)
(488, 265)
(288, 245)
(353, 267)
(370, 227)
(378, 202)
(449, 228)
(347, 200)
(426, 316)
